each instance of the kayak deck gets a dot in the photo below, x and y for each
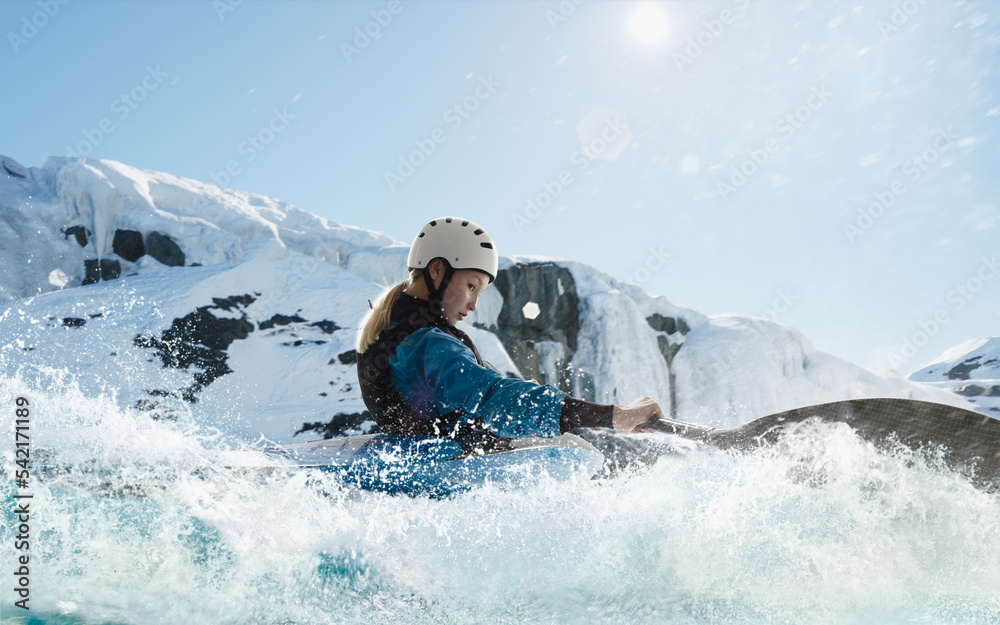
(437, 466)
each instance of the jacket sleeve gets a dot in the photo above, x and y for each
(577, 413)
(429, 362)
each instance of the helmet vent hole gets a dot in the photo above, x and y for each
(434, 223)
(488, 246)
(465, 223)
(447, 220)
(478, 231)
(421, 234)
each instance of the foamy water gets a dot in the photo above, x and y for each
(136, 521)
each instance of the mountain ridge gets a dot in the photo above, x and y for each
(209, 294)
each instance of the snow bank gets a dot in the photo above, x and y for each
(735, 368)
(95, 199)
(291, 365)
(970, 370)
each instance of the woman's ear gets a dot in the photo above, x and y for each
(436, 270)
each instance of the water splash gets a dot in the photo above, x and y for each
(140, 521)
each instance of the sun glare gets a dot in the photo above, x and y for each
(649, 23)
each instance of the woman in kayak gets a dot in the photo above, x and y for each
(420, 375)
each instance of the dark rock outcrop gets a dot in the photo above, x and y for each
(327, 326)
(95, 270)
(962, 370)
(128, 244)
(91, 271)
(78, 232)
(975, 390)
(279, 320)
(234, 302)
(200, 340)
(670, 325)
(347, 358)
(552, 288)
(340, 425)
(164, 249)
(668, 349)
(666, 326)
(110, 269)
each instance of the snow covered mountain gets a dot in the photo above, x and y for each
(236, 311)
(971, 370)
(77, 221)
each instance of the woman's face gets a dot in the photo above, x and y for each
(462, 294)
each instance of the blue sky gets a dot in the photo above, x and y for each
(830, 165)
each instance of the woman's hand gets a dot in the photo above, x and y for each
(638, 412)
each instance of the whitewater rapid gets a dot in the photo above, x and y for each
(142, 521)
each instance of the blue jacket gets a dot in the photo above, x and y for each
(435, 373)
(421, 377)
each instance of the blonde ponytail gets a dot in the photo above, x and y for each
(378, 318)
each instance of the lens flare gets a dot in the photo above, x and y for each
(649, 23)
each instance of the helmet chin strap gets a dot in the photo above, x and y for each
(437, 294)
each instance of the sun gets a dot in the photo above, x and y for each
(649, 23)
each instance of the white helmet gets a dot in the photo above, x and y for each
(459, 241)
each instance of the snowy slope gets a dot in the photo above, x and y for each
(35, 256)
(970, 370)
(88, 336)
(226, 309)
(284, 328)
(100, 198)
(736, 368)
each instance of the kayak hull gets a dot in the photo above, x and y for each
(438, 467)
